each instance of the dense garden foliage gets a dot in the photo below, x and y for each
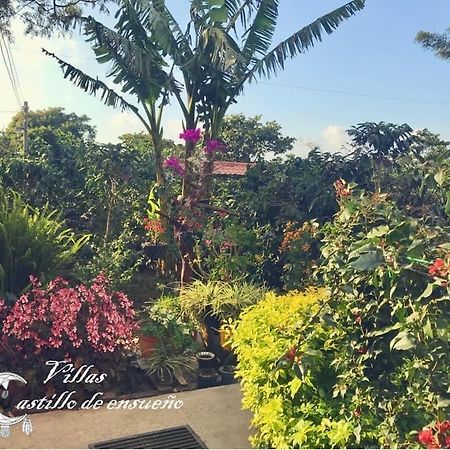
(321, 282)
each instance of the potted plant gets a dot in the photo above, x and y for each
(165, 367)
(161, 321)
(215, 303)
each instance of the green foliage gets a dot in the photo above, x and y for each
(118, 259)
(389, 321)
(227, 253)
(300, 253)
(439, 43)
(163, 319)
(221, 300)
(32, 242)
(248, 139)
(272, 390)
(369, 368)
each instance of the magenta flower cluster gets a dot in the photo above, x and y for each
(191, 135)
(173, 163)
(214, 146)
(67, 318)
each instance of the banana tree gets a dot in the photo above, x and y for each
(225, 45)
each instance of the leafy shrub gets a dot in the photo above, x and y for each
(32, 242)
(163, 319)
(228, 251)
(271, 390)
(390, 319)
(118, 259)
(300, 252)
(219, 299)
(81, 325)
(370, 369)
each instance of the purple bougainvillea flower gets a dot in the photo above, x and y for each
(173, 163)
(191, 135)
(213, 146)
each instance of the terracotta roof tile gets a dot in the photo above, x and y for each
(231, 168)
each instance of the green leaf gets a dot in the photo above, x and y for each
(213, 3)
(443, 402)
(400, 232)
(428, 291)
(378, 231)
(402, 341)
(447, 205)
(368, 261)
(427, 329)
(440, 177)
(416, 249)
(219, 14)
(296, 384)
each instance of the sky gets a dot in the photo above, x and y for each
(370, 69)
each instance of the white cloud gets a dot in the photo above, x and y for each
(333, 138)
(118, 124)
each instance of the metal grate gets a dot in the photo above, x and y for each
(177, 437)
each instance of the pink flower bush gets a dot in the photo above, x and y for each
(191, 135)
(173, 163)
(69, 318)
(213, 146)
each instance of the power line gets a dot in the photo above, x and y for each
(7, 60)
(13, 67)
(356, 94)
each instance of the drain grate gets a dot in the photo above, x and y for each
(178, 437)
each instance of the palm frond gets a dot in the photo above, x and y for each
(92, 86)
(139, 68)
(168, 34)
(259, 35)
(303, 40)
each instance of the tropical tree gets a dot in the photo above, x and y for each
(439, 43)
(226, 44)
(248, 139)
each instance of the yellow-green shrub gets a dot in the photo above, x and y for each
(271, 384)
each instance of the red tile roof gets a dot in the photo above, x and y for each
(231, 168)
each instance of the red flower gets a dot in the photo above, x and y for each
(444, 426)
(357, 413)
(362, 350)
(342, 189)
(426, 437)
(439, 268)
(290, 354)
(447, 441)
(358, 319)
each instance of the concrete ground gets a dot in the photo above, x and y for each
(214, 414)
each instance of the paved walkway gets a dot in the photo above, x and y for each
(214, 414)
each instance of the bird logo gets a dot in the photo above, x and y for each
(5, 421)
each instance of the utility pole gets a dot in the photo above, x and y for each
(25, 110)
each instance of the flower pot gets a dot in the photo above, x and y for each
(147, 345)
(206, 360)
(207, 378)
(227, 374)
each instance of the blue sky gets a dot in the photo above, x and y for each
(371, 60)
